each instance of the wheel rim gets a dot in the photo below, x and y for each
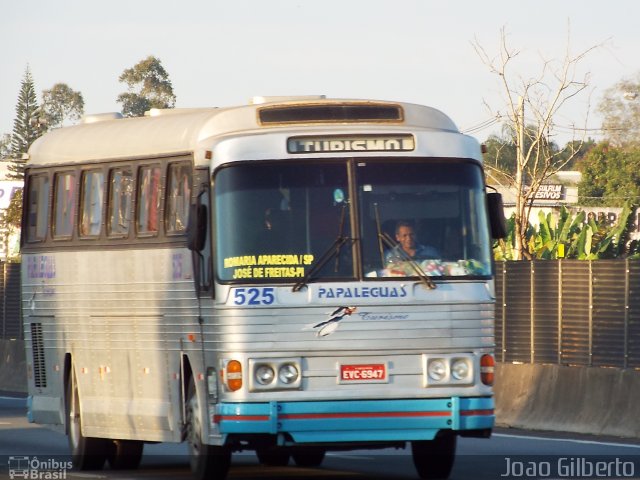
(193, 428)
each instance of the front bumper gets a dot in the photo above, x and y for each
(356, 420)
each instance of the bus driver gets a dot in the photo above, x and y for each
(408, 246)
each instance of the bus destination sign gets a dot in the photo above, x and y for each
(341, 143)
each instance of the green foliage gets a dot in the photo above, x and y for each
(10, 225)
(148, 87)
(27, 126)
(504, 248)
(13, 213)
(500, 154)
(5, 147)
(61, 103)
(610, 176)
(581, 238)
(573, 153)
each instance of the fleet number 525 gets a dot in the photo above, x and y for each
(253, 296)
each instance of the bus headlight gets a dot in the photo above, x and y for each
(265, 375)
(460, 369)
(455, 369)
(288, 373)
(270, 374)
(437, 369)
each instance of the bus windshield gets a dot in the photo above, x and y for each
(274, 222)
(426, 214)
(278, 222)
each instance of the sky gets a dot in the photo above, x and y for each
(222, 53)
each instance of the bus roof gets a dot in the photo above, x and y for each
(181, 131)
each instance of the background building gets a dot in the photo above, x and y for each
(562, 190)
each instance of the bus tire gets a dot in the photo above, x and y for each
(434, 459)
(206, 461)
(309, 457)
(86, 453)
(272, 456)
(124, 454)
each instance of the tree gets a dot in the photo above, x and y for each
(27, 126)
(541, 98)
(575, 152)
(610, 176)
(61, 103)
(5, 147)
(500, 156)
(11, 220)
(620, 109)
(148, 87)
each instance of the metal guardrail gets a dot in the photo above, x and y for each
(569, 312)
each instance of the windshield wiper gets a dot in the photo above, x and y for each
(332, 251)
(384, 238)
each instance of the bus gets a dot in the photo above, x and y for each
(238, 279)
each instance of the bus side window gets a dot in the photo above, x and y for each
(178, 197)
(37, 217)
(64, 205)
(92, 195)
(120, 198)
(148, 207)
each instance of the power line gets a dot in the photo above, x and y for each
(481, 126)
(560, 128)
(601, 129)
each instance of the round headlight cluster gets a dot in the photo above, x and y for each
(449, 370)
(272, 374)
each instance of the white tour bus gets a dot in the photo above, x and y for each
(292, 276)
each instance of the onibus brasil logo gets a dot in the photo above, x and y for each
(33, 468)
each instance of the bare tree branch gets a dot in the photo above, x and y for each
(532, 104)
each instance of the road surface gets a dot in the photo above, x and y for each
(508, 454)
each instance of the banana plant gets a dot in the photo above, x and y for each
(613, 243)
(552, 233)
(581, 238)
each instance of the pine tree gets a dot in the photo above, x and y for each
(27, 126)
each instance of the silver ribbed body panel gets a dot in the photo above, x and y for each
(444, 327)
(127, 328)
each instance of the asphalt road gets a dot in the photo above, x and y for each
(508, 454)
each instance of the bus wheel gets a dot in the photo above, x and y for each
(207, 461)
(434, 458)
(124, 454)
(86, 453)
(309, 457)
(273, 456)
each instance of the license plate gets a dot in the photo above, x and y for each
(369, 373)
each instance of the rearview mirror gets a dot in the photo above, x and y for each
(197, 227)
(496, 215)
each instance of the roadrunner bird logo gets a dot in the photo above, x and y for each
(329, 326)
